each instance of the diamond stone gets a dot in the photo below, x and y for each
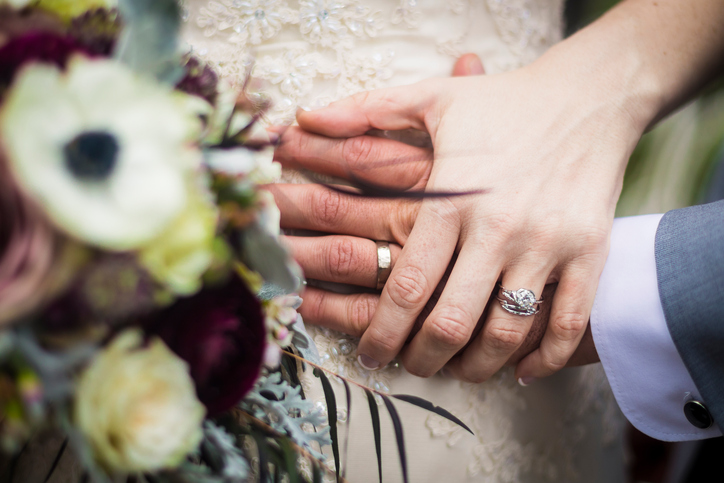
(525, 298)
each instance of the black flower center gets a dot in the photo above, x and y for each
(91, 156)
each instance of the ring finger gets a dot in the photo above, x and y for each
(503, 332)
(341, 259)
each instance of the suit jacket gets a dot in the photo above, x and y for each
(690, 272)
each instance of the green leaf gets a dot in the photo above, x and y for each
(427, 405)
(290, 460)
(332, 415)
(149, 40)
(375, 415)
(316, 472)
(58, 455)
(349, 417)
(263, 450)
(397, 424)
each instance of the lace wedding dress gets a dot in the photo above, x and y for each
(310, 52)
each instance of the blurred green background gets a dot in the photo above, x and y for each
(678, 163)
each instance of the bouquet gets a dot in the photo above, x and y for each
(147, 308)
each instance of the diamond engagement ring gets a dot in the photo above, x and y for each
(384, 263)
(518, 302)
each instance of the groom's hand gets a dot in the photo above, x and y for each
(548, 158)
(338, 258)
(353, 260)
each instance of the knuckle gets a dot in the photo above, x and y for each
(402, 220)
(381, 339)
(594, 238)
(569, 325)
(504, 338)
(360, 313)
(327, 207)
(501, 224)
(450, 327)
(315, 307)
(417, 371)
(472, 377)
(300, 142)
(407, 288)
(552, 365)
(341, 257)
(357, 150)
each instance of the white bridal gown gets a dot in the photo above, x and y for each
(310, 52)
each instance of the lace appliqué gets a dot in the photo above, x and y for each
(528, 27)
(501, 458)
(245, 21)
(337, 354)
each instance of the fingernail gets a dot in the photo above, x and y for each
(367, 362)
(526, 380)
(476, 66)
(273, 137)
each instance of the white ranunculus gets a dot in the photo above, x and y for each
(104, 150)
(137, 406)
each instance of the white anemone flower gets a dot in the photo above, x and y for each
(107, 152)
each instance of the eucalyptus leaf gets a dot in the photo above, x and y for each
(263, 253)
(149, 40)
(234, 466)
(303, 342)
(375, 415)
(281, 406)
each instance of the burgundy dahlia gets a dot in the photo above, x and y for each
(47, 47)
(220, 333)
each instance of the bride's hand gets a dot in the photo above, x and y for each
(548, 158)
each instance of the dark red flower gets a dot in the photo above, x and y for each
(220, 333)
(199, 80)
(47, 47)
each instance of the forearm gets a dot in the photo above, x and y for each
(645, 57)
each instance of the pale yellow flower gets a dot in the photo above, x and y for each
(68, 9)
(184, 251)
(136, 404)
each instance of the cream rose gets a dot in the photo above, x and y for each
(137, 406)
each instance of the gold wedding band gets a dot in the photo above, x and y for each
(384, 263)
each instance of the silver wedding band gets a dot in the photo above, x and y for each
(384, 263)
(518, 302)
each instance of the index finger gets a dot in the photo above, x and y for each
(419, 269)
(375, 159)
(393, 108)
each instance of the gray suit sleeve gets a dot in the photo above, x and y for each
(690, 271)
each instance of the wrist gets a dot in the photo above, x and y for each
(604, 74)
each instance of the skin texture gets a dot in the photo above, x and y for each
(546, 147)
(353, 259)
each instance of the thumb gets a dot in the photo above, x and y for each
(468, 64)
(394, 109)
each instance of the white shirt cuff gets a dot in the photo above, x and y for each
(648, 377)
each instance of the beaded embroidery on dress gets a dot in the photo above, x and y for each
(307, 53)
